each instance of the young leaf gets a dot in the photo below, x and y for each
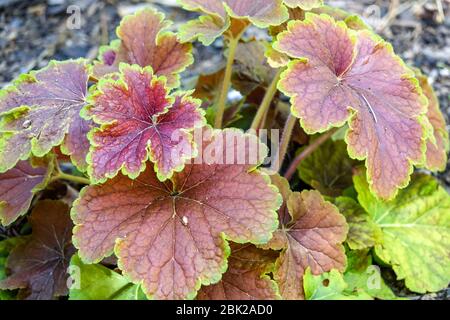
(415, 232)
(96, 282)
(339, 75)
(437, 150)
(40, 265)
(363, 231)
(329, 286)
(139, 120)
(310, 238)
(171, 237)
(40, 109)
(362, 276)
(144, 40)
(205, 29)
(17, 188)
(246, 277)
(261, 13)
(330, 177)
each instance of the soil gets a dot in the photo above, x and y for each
(33, 32)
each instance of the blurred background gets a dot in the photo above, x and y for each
(33, 32)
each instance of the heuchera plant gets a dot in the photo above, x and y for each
(151, 186)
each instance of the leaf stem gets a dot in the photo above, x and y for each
(60, 175)
(226, 83)
(64, 176)
(265, 104)
(307, 151)
(285, 139)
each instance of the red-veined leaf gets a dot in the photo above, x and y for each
(139, 120)
(171, 236)
(144, 40)
(340, 75)
(39, 266)
(40, 110)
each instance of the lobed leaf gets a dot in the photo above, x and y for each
(262, 13)
(415, 232)
(339, 75)
(41, 110)
(311, 238)
(139, 120)
(170, 237)
(246, 277)
(39, 266)
(18, 187)
(145, 41)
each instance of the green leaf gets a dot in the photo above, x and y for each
(415, 231)
(328, 169)
(363, 232)
(96, 282)
(361, 275)
(329, 286)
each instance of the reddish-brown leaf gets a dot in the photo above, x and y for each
(312, 238)
(144, 40)
(171, 236)
(40, 265)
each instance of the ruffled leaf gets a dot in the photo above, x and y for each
(415, 232)
(246, 277)
(436, 150)
(170, 237)
(339, 75)
(139, 120)
(144, 40)
(41, 110)
(261, 13)
(39, 266)
(18, 186)
(310, 239)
